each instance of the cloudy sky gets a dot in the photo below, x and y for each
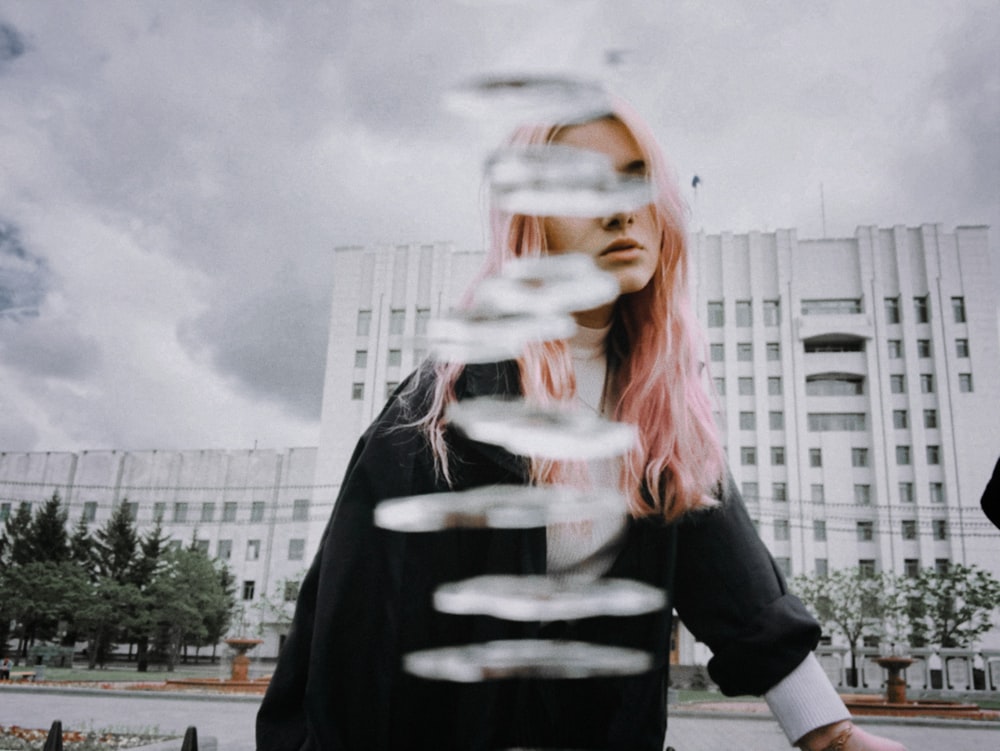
(173, 176)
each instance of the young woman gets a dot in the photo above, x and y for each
(366, 601)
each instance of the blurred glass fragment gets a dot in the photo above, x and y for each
(547, 285)
(557, 180)
(525, 658)
(478, 336)
(529, 99)
(555, 432)
(544, 598)
(497, 507)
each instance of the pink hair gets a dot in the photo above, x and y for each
(655, 357)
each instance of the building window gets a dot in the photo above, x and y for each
(941, 565)
(834, 385)
(921, 308)
(900, 420)
(201, 546)
(906, 492)
(776, 420)
(257, 511)
(364, 322)
(180, 512)
(717, 352)
(720, 386)
(248, 589)
(774, 385)
(909, 529)
(819, 422)
(750, 490)
(930, 418)
(940, 529)
(773, 350)
(933, 454)
(208, 512)
(958, 309)
(744, 351)
(892, 310)
(397, 321)
(911, 568)
(132, 509)
(748, 455)
(784, 564)
(902, 455)
(159, 510)
(866, 566)
(895, 349)
(423, 318)
(772, 312)
(173, 545)
(253, 550)
(926, 383)
(822, 566)
(819, 530)
(936, 490)
(965, 382)
(300, 510)
(390, 388)
(859, 457)
(961, 347)
(361, 358)
(291, 591)
(744, 315)
(745, 385)
(779, 492)
(866, 531)
(296, 549)
(89, 511)
(923, 348)
(816, 493)
(831, 307)
(748, 421)
(357, 391)
(224, 550)
(781, 530)
(4, 512)
(229, 511)
(863, 494)
(716, 314)
(897, 383)
(815, 457)
(395, 358)
(778, 456)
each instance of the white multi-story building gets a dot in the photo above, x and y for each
(857, 382)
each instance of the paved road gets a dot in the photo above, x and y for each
(230, 720)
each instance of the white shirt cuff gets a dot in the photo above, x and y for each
(805, 699)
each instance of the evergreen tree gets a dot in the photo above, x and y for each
(151, 552)
(117, 546)
(81, 548)
(17, 533)
(47, 537)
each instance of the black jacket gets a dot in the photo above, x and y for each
(366, 601)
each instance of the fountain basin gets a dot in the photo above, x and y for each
(868, 704)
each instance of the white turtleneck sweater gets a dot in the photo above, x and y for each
(804, 699)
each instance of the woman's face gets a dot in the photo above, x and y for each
(626, 244)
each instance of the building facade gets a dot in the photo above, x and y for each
(856, 378)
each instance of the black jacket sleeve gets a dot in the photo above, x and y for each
(732, 597)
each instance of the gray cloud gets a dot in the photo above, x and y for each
(23, 276)
(11, 44)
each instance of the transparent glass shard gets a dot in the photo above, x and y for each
(557, 432)
(497, 507)
(543, 598)
(558, 180)
(480, 336)
(526, 658)
(529, 99)
(547, 285)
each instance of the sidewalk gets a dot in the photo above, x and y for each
(230, 720)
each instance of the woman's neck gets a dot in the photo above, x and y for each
(597, 318)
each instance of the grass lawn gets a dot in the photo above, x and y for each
(128, 673)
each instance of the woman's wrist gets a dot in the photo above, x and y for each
(832, 737)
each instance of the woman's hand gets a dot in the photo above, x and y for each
(845, 736)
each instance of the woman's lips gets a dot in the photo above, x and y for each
(622, 250)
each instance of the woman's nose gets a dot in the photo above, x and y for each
(618, 220)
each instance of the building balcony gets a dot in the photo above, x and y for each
(817, 363)
(851, 324)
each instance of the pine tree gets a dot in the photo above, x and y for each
(17, 533)
(117, 546)
(47, 538)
